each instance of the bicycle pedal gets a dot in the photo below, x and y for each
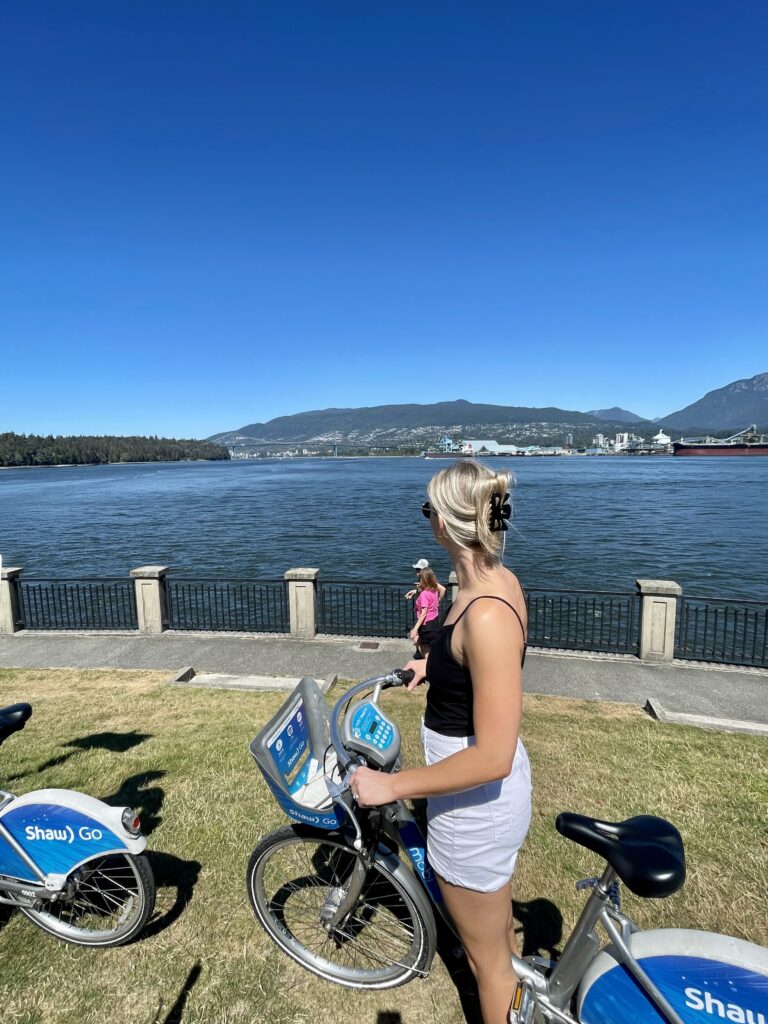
(523, 1005)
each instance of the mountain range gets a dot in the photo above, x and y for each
(730, 408)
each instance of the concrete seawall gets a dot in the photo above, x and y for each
(682, 687)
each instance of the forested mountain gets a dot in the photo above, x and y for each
(733, 407)
(35, 450)
(392, 425)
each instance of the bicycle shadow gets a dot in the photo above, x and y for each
(541, 924)
(144, 799)
(171, 872)
(117, 742)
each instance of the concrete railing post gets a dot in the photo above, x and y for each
(657, 619)
(302, 601)
(453, 583)
(10, 600)
(151, 599)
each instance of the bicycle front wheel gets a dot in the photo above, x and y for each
(110, 900)
(296, 876)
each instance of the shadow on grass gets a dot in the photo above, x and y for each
(389, 1017)
(6, 913)
(118, 742)
(146, 800)
(542, 927)
(171, 873)
(176, 1012)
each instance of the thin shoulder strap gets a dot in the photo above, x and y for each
(492, 597)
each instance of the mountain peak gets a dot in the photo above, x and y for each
(616, 414)
(733, 407)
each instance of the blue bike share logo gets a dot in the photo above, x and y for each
(66, 834)
(701, 990)
(57, 838)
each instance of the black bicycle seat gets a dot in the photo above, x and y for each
(13, 718)
(645, 852)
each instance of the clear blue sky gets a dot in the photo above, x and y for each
(216, 213)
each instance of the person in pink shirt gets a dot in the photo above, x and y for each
(426, 608)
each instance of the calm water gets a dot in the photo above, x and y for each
(579, 523)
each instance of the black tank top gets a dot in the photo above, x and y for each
(449, 698)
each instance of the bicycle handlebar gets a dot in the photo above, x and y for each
(398, 677)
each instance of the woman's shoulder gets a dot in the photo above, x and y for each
(494, 602)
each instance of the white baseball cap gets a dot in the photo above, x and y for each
(421, 564)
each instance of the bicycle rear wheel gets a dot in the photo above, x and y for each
(296, 873)
(111, 900)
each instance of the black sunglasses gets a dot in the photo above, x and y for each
(426, 510)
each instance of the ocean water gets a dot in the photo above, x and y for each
(578, 523)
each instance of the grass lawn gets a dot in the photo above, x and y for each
(180, 756)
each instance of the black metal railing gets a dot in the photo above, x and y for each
(364, 609)
(78, 604)
(728, 632)
(239, 606)
(584, 620)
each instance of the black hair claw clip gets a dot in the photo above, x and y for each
(501, 511)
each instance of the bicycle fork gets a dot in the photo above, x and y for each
(342, 899)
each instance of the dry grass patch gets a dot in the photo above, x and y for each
(181, 757)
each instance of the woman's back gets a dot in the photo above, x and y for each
(450, 699)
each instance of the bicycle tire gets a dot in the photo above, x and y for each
(386, 911)
(113, 897)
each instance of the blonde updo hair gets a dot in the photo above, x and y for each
(461, 494)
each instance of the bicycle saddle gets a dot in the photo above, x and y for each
(13, 718)
(645, 852)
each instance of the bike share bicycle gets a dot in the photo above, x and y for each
(334, 894)
(74, 865)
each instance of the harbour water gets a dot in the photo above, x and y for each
(578, 523)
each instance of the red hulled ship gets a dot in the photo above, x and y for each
(746, 442)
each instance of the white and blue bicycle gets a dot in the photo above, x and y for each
(335, 892)
(72, 864)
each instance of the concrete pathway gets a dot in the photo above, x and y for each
(716, 691)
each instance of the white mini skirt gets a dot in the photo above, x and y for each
(474, 836)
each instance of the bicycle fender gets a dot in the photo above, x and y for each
(60, 829)
(704, 976)
(408, 880)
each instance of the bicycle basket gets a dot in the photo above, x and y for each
(296, 758)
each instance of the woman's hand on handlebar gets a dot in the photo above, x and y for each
(370, 788)
(419, 669)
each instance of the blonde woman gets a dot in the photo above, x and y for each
(477, 777)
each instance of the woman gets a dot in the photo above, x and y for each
(477, 776)
(426, 609)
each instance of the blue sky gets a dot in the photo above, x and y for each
(216, 213)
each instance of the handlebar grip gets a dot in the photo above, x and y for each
(404, 675)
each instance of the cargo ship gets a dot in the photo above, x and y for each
(746, 442)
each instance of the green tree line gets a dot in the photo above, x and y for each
(36, 450)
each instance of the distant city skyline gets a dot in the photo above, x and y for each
(220, 216)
